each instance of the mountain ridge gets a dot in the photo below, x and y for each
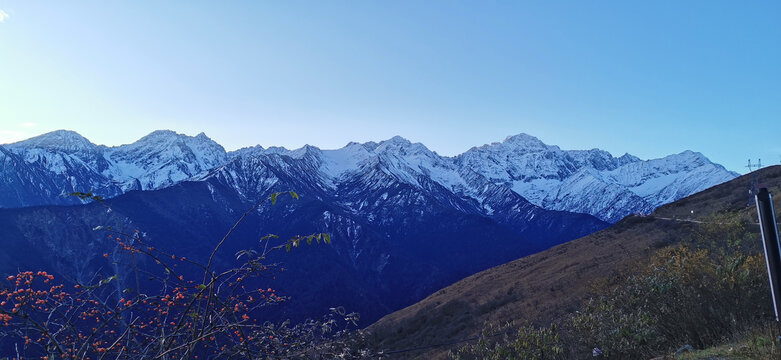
(584, 181)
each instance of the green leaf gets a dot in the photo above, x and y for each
(294, 195)
(274, 198)
(287, 247)
(107, 280)
(250, 253)
(201, 287)
(269, 236)
(327, 238)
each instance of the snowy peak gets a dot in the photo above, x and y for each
(246, 151)
(524, 141)
(61, 140)
(688, 158)
(159, 139)
(351, 158)
(64, 161)
(397, 157)
(627, 158)
(394, 155)
(397, 140)
(400, 146)
(163, 158)
(592, 181)
(163, 134)
(598, 159)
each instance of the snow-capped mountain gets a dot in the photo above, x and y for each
(40, 170)
(592, 181)
(161, 159)
(484, 179)
(374, 180)
(493, 177)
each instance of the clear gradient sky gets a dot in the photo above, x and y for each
(646, 77)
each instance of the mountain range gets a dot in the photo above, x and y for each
(404, 220)
(38, 171)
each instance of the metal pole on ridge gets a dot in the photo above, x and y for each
(770, 242)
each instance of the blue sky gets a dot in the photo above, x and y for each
(649, 78)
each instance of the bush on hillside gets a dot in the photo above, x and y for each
(700, 293)
(706, 291)
(506, 343)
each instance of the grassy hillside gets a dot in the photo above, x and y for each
(547, 286)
